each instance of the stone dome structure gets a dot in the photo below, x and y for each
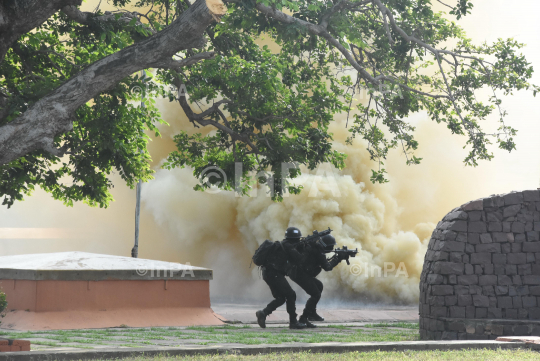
(481, 275)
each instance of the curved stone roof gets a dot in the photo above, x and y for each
(95, 267)
(481, 275)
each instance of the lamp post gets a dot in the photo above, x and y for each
(135, 249)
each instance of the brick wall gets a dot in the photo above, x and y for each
(481, 275)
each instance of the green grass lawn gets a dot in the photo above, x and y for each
(468, 355)
(228, 334)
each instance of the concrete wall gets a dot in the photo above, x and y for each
(481, 275)
(51, 296)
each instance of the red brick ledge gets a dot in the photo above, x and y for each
(8, 345)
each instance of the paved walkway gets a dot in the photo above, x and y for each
(333, 347)
(245, 313)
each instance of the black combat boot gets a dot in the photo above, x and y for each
(304, 319)
(315, 317)
(295, 325)
(261, 318)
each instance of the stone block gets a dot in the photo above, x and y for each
(449, 335)
(501, 290)
(475, 290)
(531, 196)
(488, 247)
(504, 302)
(493, 202)
(529, 226)
(506, 247)
(511, 211)
(467, 280)
(466, 258)
(438, 311)
(499, 237)
(495, 216)
(519, 237)
(475, 216)
(451, 246)
(528, 301)
(499, 269)
(434, 279)
(511, 269)
(489, 291)
(535, 269)
(531, 258)
(487, 280)
(513, 198)
(521, 330)
(504, 280)
(476, 205)
(534, 313)
(492, 299)
(469, 248)
(448, 268)
(481, 312)
(517, 302)
(499, 258)
(511, 313)
(469, 269)
(531, 279)
(496, 330)
(516, 258)
(485, 238)
(452, 279)
(457, 326)
(473, 238)
(456, 257)
(525, 216)
(480, 301)
(478, 227)
(531, 246)
(436, 301)
(524, 269)
(522, 290)
(516, 280)
(461, 290)
(470, 311)
(450, 300)
(442, 290)
(488, 269)
(515, 247)
(518, 227)
(507, 227)
(536, 226)
(494, 313)
(494, 226)
(458, 226)
(523, 314)
(457, 312)
(461, 237)
(478, 270)
(456, 216)
(480, 258)
(449, 235)
(464, 300)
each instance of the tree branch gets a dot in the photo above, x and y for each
(86, 18)
(53, 114)
(17, 17)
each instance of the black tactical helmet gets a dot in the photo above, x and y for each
(293, 233)
(326, 243)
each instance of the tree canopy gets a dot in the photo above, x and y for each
(69, 117)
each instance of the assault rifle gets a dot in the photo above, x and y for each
(346, 253)
(314, 237)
